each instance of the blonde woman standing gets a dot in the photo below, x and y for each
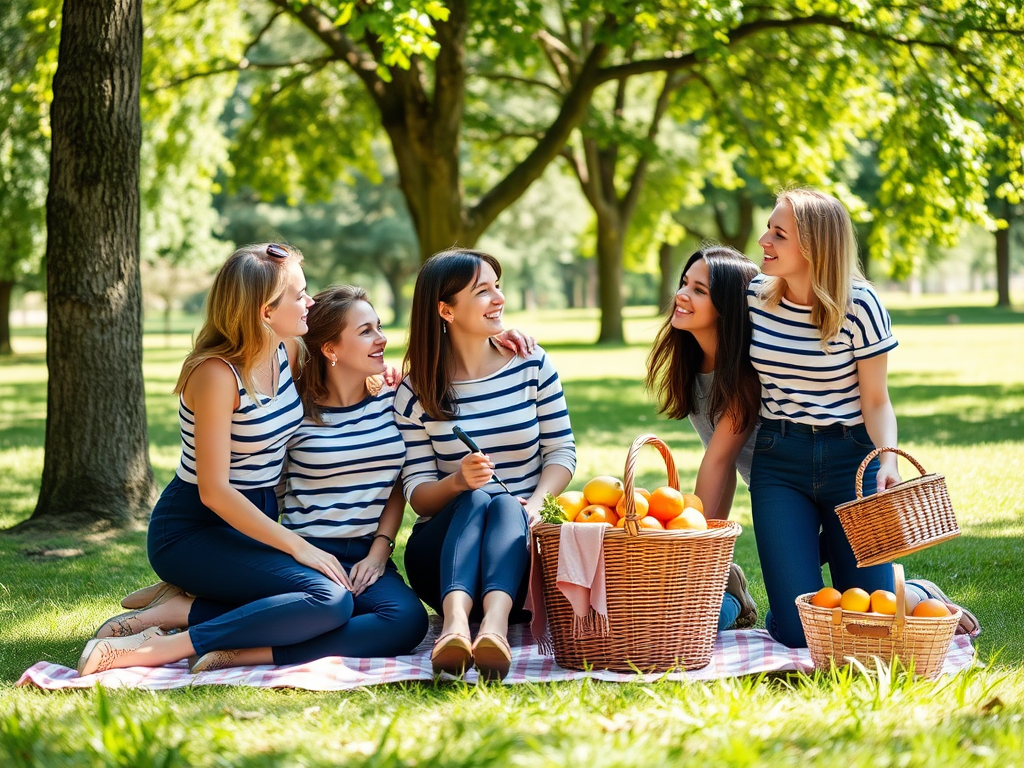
(820, 340)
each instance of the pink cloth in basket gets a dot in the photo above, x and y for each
(580, 578)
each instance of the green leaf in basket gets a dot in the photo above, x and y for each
(551, 512)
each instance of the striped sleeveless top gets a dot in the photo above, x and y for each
(259, 435)
(339, 475)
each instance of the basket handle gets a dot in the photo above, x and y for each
(631, 526)
(894, 630)
(867, 460)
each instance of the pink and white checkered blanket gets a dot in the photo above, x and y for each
(741, 652)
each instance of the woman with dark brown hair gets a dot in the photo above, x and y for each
(468, 556)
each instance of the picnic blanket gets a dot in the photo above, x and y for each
(738, 652)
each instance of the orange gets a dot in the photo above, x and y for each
(645, 493)
(666, 503)
(597, 513)
(641, 505)
(693, 500)
(883, 601)
(572, 503)
(827, 597)
(688, 520)
(643, 522)
(855, 599)
(931, 608)
(911, 599)
(603, 490)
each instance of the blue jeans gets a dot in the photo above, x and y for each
(477, 544)
(250, 595)
(798, 477)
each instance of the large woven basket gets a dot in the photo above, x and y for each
(664, 589)
(909, 516)
(835, 636)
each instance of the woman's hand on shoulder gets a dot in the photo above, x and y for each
(516, 341)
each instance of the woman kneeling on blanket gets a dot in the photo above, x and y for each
(252, 590)
(469, 548)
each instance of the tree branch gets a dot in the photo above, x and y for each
(500, 77)
(242, 65)
(676, 61)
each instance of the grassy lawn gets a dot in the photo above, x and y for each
(957, 381)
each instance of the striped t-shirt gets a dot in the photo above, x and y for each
(259, 435)
(801, 382)
(517, 416)
(339, 475)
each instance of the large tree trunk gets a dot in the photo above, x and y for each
(609, 278)
(1003, 258)
(96, 467)
(6, 288)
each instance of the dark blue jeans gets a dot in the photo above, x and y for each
(798, 477)
(249, 595)
(477, 544)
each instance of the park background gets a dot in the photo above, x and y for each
(591, 147)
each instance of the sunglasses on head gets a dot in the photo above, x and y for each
(277, 251)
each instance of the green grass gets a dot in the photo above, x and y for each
(958, 388)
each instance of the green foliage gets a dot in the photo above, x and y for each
(29, 30)
(125, 741)
(550, 511)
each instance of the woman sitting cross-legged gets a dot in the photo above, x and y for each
(245, 581)
(468, 555)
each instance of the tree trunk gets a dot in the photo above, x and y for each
(96, 467)
(6, 288)
(669, 279)
(1003, 258)
(609, 278)
(396, 281)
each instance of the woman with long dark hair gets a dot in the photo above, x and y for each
(467, 556)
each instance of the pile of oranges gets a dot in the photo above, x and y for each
(880, 601)
(603, 500)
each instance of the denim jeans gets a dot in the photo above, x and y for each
(250, 595)
(477, 544)
(798, 477)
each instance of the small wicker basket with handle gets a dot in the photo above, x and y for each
(835, 636)
(911, 515)
(664, 589)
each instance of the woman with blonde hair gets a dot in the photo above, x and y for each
(242, 579)
(820, 339)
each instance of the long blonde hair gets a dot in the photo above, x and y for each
(251, 280)
(827, 240)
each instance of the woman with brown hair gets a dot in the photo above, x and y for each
(467, 556)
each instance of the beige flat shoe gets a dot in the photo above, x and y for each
(122, 625)
(147, 597)
(452, 653)
(492, 656)
(100, 654)
(737, 587)
(212, 661)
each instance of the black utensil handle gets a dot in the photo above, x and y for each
(466, 439)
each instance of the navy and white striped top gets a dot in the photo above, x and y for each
(259, 435)
(517, 416)
(801, 382)
(339, 475)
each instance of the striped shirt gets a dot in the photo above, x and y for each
(259, 435)
(799, 381)
(339, 475)
(517, 416)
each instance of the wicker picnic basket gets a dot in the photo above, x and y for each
(909, 516)
(664, 589)
(835, 636)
